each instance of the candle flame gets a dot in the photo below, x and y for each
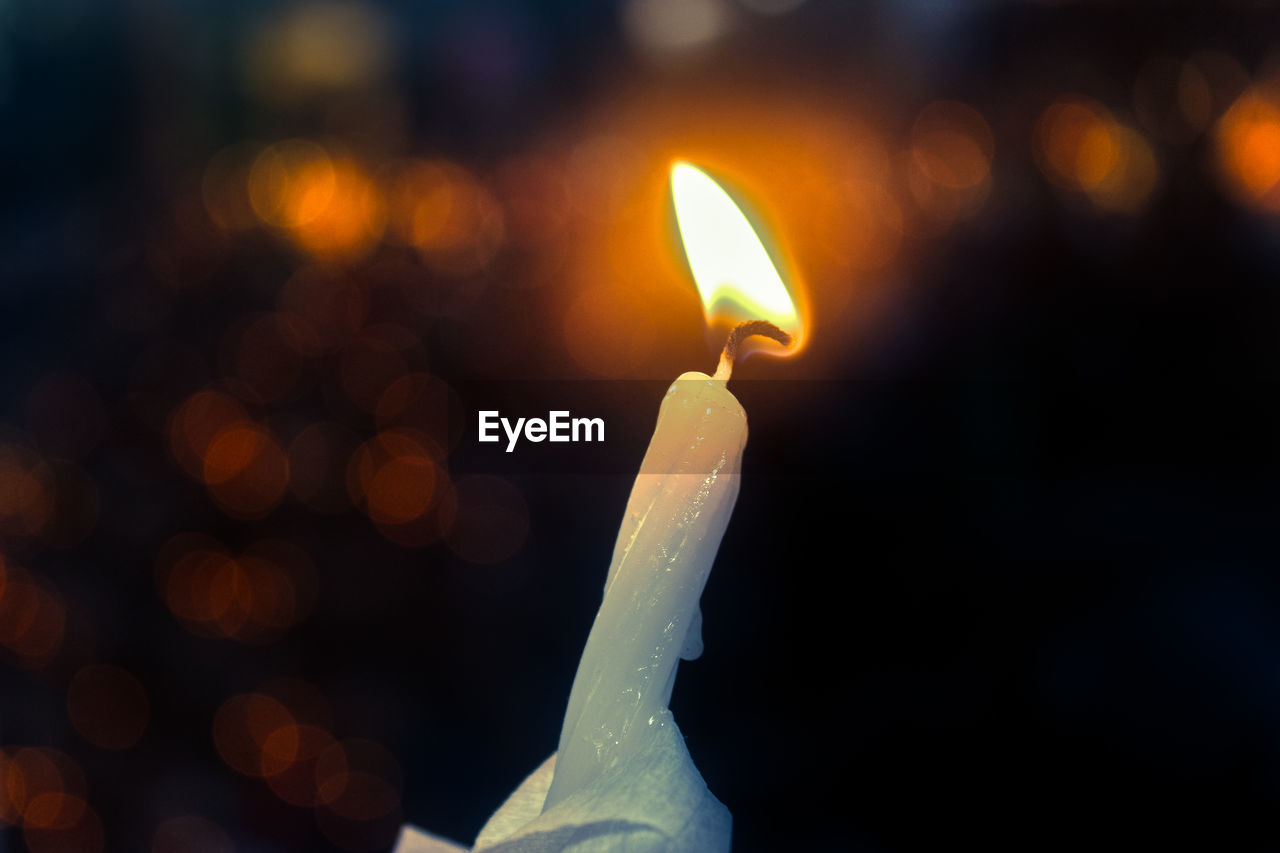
(736, 278)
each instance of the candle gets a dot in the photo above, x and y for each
(674, 521)
(622, 777)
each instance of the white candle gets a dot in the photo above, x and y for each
(675, 518)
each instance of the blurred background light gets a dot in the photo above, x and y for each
(317, 49)
(1081, 146)
(1249, 147)
(952, 145)
(43, 793)
(245, 470)
(442, 210)
(243, 725)
(292, 183)
(32, 617)
(664, 27)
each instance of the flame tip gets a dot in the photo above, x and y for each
(734, 274)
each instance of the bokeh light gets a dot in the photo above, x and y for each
(196, 422)
(1209, 83)
(12, 791)
(1075, 143)
(252, 598)
(423, 402)
(396, 479)
(291, 183)
(402, 489)
(319, 49)
(1176, 99)
(33, 616)
(1080, 146)
(360, 784)
(243, 725)
(661, 28)
(359, 779)
(329, 204)
(84, 835)
(43, 791)
(281, 734)
(27, 490)
(952, 144)
(442, 209)
(245, 470)
(1248, 138)
(349, 221)
(290, 764)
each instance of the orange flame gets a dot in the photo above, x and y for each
(735, 276)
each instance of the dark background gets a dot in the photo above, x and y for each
(1003, 568)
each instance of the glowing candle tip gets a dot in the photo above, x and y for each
(740, 333)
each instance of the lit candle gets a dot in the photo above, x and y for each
(677, 513)
(621, 773)
(676, 516)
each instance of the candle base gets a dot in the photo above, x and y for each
(655, 801)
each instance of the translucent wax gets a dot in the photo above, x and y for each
(649, 618)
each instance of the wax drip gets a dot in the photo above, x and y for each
(740, 333)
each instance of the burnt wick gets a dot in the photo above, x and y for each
(741, 332)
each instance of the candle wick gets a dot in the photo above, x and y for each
(740, 333)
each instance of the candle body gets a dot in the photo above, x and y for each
(675, 518)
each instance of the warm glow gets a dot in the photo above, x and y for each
(951, 144)
(445, 212)
(394, 477)
(1080, 146)
(42, 791)
(252, 597)
(245, 470)
(1249, 148)
(242, 728)
(736, 278)
(820, 185)
(32, 616)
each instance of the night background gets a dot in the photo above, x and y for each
(1003, 569)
